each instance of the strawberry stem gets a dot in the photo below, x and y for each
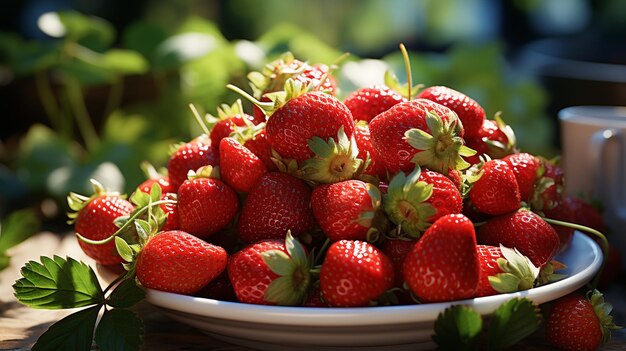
(407, 66)
(126, 225)
(202, 125)
(604, 243)
(267, 107)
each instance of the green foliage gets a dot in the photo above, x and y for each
(119, 329)
(458, 328)
(14, 229)
(74, 332)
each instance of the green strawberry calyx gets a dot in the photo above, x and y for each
(405, 202)
(548, 273)
(204, 172)
(292, 285)
(224, 112)
(519, 273)
(497, 148)
(443, 148)
(374, 219)
(278, 99)
(77, 202)
(603, 311)
(333, 161)
(274, 74)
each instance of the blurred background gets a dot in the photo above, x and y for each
(90, 89)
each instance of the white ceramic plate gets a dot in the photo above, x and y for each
(388, 327)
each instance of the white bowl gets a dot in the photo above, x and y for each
(389, 327)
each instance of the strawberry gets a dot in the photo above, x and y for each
(376, 167)
(171, 210)
(270, 272)
(346, 210)
(189, 157)
(94, 218)
(179, 262)
(219, 288)
(277, 203)
(525, 167)
(524, 231)
(469, 111)
(260, 146)
(228, 118)
(585, 213)
(415, 201)
(503, 270)
(495, 139)
(419, 132)
(239, 167)
(366, 103)
(580, 323)
(163, 181)
(205, 204)
(397, 249)
(549, 186)
(354, 273)
(167, 193)
(496, 191)
(562, 212)
(436, 270)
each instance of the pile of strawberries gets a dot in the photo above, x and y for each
(392, 195)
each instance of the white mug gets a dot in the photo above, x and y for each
(593, 140)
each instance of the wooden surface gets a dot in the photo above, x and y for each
(20, 326)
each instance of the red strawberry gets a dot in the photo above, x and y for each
(549, 187)
(239, 167)
(363, 139)
(346, 210)
(171, 210)
(205, 204)
(260, 146)
(277, 203)
(419, 132)
(179, 262)
(227, 120)
(562, 212)
(354, 273)
(580, 323)
(164, 183)
(415, 201)
(495, 139)
(585, 213)
(469, 111)
(443, 265)
(219, 288)
(503, 270)
(524, 231)
(496, 191)
(525, 167)
(397, 249)
(270, 272)
(94, 217)
(190, 157)
(367, 103)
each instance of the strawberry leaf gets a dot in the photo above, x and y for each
(58, 283)
(511, 322)
(74, 332)
(126, 294)
(119, 329)
(123, 249)
(458, 328)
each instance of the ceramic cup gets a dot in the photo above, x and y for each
(593, 140)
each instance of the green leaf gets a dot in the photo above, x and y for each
(124, 62)
(126, 294)
(144, 37)
(457, 328)
(143, 228)
(278, 262)
(119, 330)
(93, 32)
(74, 332)
(511, 322)
(17, 227)
(123, 249)
(56, 283)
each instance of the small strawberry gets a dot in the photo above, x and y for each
(419, 132)
(271, 272)
(443, 265)
(525, 167)
(397, 249)
(189, 157)
(346, 210)
(495, 139)
(503, 270)
(366, 103)
(205, 203)
(354, 273)
(415, 201)
(549, 186)
(163, 181)
(178, 262)
(228, 118)
(524, 231)
(167, 193)
(239, 167)
(580, 323)
(277, 203)
(469, 111)
(94, 218)
(496, 191)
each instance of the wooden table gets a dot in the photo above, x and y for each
(20, 326)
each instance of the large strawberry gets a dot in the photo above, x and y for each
(524, 231)
(443, 265)
(189, 157)
(239, 167)
(469, 111)
(495, 139)
(503, 270)
(277, 203)
(94, 218)
(415, 201)
(346, 210)
(525, 167)
(419, 132)
(354, 273)
(496, 191)
(581, 323)
(178, 262)
(270, 272)
(205, 203)
(368, 102)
